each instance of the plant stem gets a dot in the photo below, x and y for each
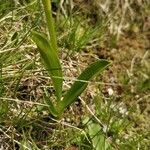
(50, 23)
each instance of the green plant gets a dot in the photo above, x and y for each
(49, 53)
(79, 34)
(97, 137)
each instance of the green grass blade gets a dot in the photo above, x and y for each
(51, 107)
(51, 61)
(80, 85)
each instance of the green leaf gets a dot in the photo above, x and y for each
(51, 107)
(51, 61)
(97, 136)
(80, 85)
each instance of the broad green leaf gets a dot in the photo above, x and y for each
(97, 136)
(81, 83)
(51, 61)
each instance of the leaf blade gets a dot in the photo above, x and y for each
(79, 86)
(51, 61)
